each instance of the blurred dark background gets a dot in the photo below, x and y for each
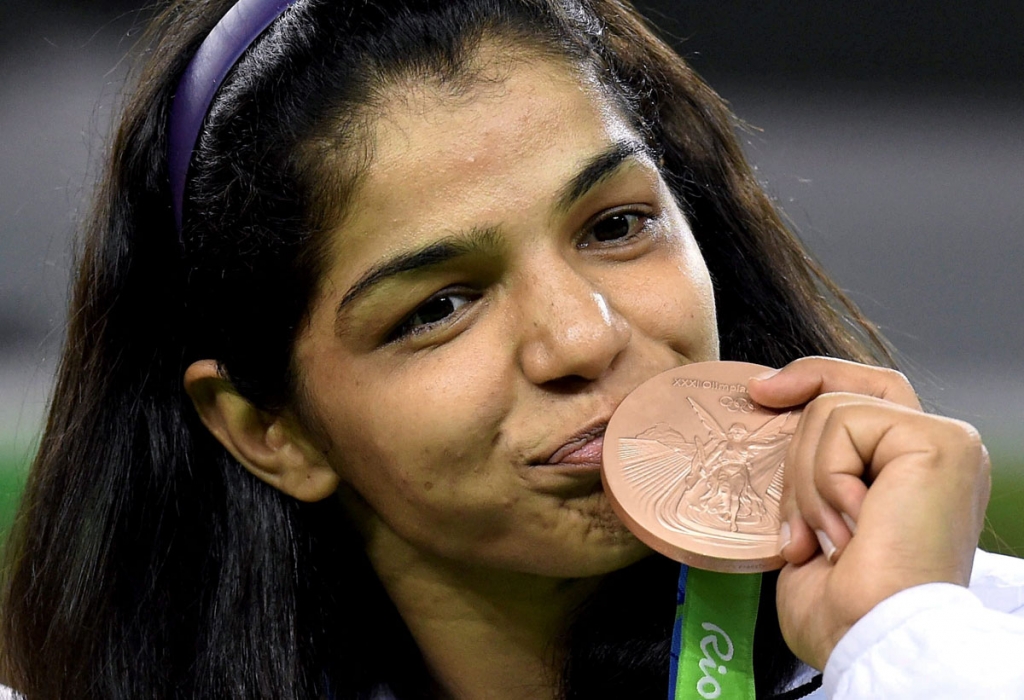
(892, 134)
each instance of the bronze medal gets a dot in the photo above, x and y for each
(694, 467)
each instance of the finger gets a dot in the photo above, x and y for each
(917, 523)
(804, 542)
(839, 467)
(803, 379)
(830, 512)
(798, 543)
(929, 478)
(799, 596)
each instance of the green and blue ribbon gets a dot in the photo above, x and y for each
(713, 636)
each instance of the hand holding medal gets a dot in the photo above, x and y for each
(694, 466)
(913, 485)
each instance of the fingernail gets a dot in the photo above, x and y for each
(849, 523)
(766, 375)
(826, 544)
(785, 536)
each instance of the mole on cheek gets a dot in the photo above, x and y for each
(427, 485)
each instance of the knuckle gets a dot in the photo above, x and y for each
(895, 377)
(810, 360)
(970, 443)
(960, 443)
(820, 406)
(986, 461)
(839, 408)
(899, 389)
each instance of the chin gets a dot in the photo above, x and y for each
(605, 548)
(600, 543)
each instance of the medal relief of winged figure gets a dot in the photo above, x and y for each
(727, 480)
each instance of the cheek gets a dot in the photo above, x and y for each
(698, 307)
(420, 445)
(675, 303)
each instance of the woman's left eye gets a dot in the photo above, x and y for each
(433, 312)
(616, 227)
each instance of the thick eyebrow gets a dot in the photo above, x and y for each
(437, 253)
(593, 171)
(600, 167)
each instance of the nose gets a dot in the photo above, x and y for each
(570, 331)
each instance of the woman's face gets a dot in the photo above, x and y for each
(513, 265)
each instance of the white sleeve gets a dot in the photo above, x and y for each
(938, 641)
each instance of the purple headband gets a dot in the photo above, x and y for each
(217, 55)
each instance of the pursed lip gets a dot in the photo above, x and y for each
(581, 451)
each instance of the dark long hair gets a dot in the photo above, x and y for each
(145, 561)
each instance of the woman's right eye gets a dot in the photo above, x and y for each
(434, 312)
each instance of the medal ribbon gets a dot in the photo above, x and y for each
(713, 637)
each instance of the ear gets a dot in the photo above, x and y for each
(275, 448)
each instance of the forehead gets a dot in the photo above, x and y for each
(512, 104)
(495, 151)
